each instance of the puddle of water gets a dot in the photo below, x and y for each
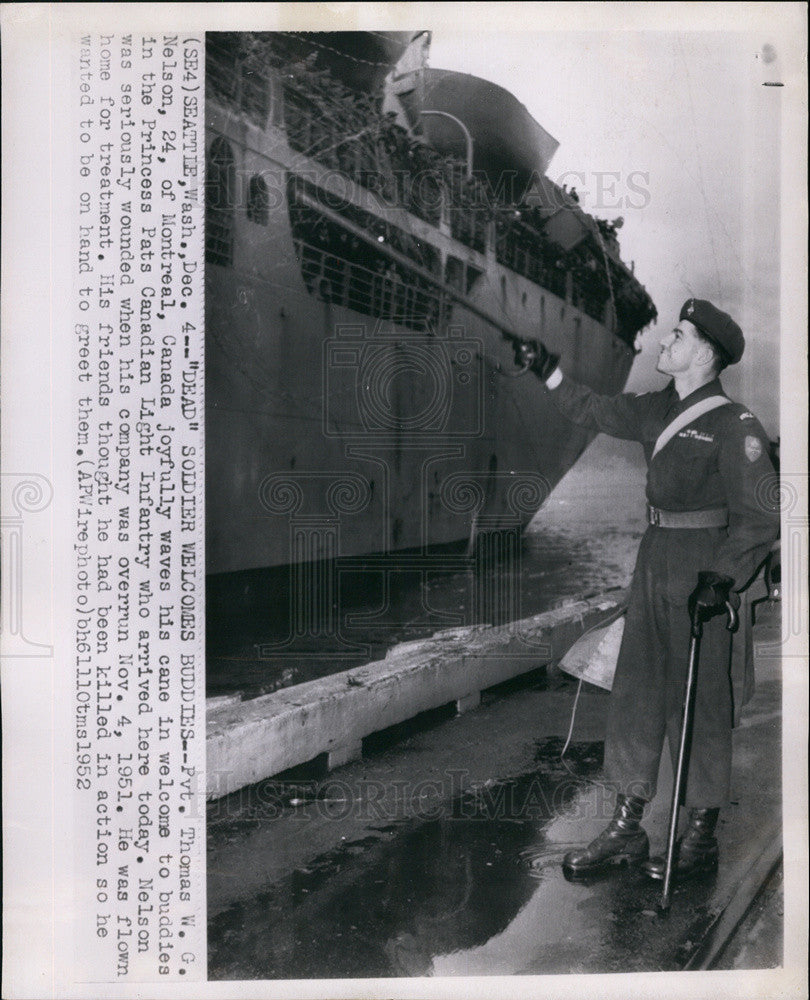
(383, 906)
(475, 890)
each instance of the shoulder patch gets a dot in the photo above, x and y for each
(753, 448)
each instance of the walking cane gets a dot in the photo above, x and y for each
(696, 632)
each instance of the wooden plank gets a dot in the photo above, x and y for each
(251, 740)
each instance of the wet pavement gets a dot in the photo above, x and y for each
(438, 854)
(758, 941)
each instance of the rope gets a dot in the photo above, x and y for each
(337, 52)
(573, 715)
(607, 272)
(602, 623)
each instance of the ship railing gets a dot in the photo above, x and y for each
(366, 159)
(219, 237)
(385, 290)
(523, 261)
(591, 302)
(385, 293)
(468, 227)
(431, 290)
(524, 250)
(235, 81)
(395, 167)
(305, 219)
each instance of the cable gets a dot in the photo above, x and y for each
(601, 624)
(609, 278)
(343, 55)
(573, 715)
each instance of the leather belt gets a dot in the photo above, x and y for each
(716, 517)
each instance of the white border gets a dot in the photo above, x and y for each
(32, 398)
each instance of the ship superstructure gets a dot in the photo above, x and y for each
(376, 233)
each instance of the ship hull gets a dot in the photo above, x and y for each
(334, 432)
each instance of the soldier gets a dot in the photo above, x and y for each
(707, 463)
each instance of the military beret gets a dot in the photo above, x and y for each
(718, 326)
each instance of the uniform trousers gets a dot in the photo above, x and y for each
(646, 701)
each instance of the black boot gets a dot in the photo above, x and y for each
(622, 841)
(696, 852)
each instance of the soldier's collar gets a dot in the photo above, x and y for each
(712, 388)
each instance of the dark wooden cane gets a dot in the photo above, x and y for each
(696, 632)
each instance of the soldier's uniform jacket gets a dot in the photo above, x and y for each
(719, 460)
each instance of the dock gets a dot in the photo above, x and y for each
(330, 717)
(438, 853)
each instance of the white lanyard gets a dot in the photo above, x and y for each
(688, 415)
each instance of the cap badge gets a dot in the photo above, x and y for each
(690, 308)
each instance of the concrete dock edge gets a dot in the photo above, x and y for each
(248, 741)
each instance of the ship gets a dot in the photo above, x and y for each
(379, 235)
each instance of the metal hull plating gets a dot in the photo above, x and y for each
(332, 431)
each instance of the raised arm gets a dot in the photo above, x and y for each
(620, 416)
